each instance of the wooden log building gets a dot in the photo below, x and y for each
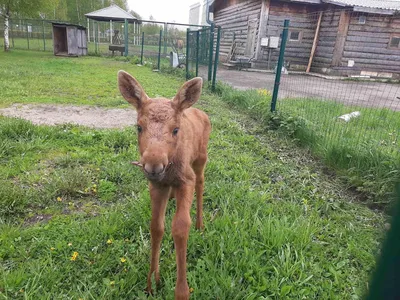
(337, 37)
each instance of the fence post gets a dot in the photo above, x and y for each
(197, 52)
(141, 53)
(126, 37)
(95, 36)
(11, 33)
(280, 64)
(210, 58)
(27, 33)
(44, 39)
(187, 53)
(159, 50)
(216, 58)
(165, 38)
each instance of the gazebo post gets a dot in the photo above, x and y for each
(126, 37)
(111, 31)
(88, 30)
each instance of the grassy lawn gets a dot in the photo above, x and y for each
(276, 226)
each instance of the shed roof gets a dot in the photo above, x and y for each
(68, 24)
(111, 13)
(380, 4)
(370, 6)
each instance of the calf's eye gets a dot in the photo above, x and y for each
(175, 131)
(139, 129)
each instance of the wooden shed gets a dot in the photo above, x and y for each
(337, 37)
(69, 39)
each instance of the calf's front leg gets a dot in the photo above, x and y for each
(180, 232)
(159, 199)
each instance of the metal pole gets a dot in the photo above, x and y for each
(197, 52)
(44, 39)
(126, 37)
(210, 58)
(27, 34)
(187, 53)
(11, 33)
(216, 59)
(165, 38)
(280, 64)
(95, 36)
(159, 50)
(141, 53)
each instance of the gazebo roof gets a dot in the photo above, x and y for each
(111, 13)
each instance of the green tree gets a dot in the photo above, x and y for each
(135, 14)
(31, 8)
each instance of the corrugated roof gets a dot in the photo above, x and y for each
(380, 4)
(113, 13)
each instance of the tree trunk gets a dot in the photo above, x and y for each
(6, 39)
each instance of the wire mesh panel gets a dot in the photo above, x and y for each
(29, 34)
(201, 47)
(348, 106)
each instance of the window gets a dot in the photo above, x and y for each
(295, 35)
(362, 19)
(394, 42)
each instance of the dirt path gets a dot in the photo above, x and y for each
(89, 116)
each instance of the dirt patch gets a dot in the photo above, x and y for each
(90, 116)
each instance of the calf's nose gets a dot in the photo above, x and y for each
(154, 169)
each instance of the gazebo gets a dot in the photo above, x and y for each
(111, 14)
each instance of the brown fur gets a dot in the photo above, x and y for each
(173, 163)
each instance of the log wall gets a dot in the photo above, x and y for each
(234, 18)
(368, 44)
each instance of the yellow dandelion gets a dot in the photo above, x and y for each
(52, 249)
(123, 259)
(191, 290)
(59, 199)
(109, 242)
(95, 185)
(97, 169)
(74, 256)
(112, 283)
(94, 190)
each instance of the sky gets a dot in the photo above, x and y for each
(163, 10)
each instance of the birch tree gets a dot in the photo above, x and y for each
(9, 8)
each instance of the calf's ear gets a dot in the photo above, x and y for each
(131, 90)
(188, 94)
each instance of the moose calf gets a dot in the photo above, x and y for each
(172, 140)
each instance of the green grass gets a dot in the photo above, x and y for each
(40, 77)
(364, 152)
(276, 226)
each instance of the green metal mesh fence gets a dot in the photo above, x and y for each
(29, 34)
(352, 119)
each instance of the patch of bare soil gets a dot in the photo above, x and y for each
(90, 116)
